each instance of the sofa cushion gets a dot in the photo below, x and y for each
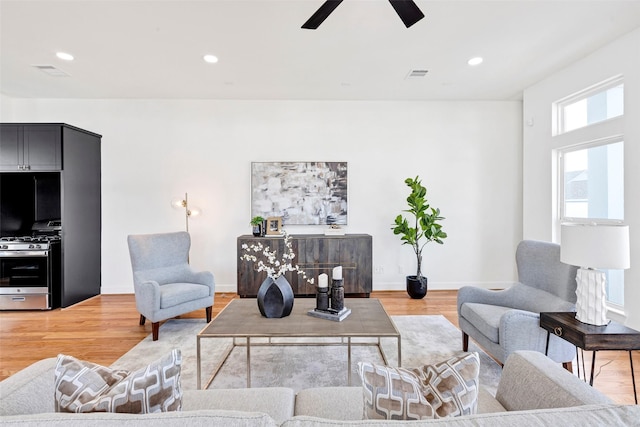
(448, 388)
(334, 403)
(204, 418)
(277, 402)
(579, 416)
(82, 386)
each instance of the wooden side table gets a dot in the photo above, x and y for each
(613, 336)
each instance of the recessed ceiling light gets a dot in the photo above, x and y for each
(475, 61)
(211, 59)
(65, 56)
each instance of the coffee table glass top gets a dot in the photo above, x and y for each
(241, 318)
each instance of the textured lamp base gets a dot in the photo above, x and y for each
(591, 305)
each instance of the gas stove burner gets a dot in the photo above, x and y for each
(30, 239)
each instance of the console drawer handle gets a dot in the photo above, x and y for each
(558, 331)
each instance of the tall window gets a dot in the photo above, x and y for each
(593, 191)
(591, 174)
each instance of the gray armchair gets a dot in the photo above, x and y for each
(504, 321)
(165, 285)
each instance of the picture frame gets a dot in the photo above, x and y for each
(274, 226)
(301, 193)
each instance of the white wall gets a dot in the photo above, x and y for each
(469, 155)
(620, 57)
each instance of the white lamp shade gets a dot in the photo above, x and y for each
(604, 246)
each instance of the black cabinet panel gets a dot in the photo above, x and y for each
(26, 148)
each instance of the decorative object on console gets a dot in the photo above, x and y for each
(178, 203)
(274, 226)
(425, 225)
(334, 230)
(275, 295)
(591, 247)
(258, 224)
(302, 193)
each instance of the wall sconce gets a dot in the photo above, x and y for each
(179, 203)
(591, 247)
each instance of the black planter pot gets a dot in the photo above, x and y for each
(416, 286)
(257, 230)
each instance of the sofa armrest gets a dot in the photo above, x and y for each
(530, 380)
(29, 391)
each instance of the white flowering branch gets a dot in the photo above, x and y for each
(269, 262)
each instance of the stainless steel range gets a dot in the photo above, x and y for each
(29, 268)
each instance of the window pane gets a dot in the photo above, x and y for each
(583, 111)
(594, 182)
(594, 190)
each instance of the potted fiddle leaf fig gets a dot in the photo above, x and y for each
(257, 224)
(422, 226)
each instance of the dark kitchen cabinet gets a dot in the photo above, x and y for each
(30, 148)
(63, 182)
(315, 254)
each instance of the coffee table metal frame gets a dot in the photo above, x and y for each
(241, 321)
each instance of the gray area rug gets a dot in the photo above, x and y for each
(425, 340)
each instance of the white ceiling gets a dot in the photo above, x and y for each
(154, 48)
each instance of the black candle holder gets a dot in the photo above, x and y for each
(337, 295)
(322, 299)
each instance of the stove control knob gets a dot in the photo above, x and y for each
(38, 246)
(4, 247)
(31, 246)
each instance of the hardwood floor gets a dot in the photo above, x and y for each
(104, 328)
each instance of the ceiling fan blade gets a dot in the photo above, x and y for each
(408, 11)
(321, 14)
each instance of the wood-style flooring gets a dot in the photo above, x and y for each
(105, 327)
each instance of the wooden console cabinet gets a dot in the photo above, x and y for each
(315, 254)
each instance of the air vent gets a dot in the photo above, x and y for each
(416, 74)
(51, 70)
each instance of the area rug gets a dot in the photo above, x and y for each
(425, 340)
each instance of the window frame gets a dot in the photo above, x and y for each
(560, 199)
(558, 107)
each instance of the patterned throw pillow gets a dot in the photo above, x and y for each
(448, 388)
(82, 386)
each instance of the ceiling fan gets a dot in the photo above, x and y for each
(406, 10)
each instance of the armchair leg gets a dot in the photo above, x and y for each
(142, 319)
(465, 342)
(155, 327)
(568, 366)
(208, 310)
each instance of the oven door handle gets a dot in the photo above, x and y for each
(23, 254)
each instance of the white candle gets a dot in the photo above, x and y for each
(337, 273)
(323, 281)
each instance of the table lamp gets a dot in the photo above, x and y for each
(592, 247)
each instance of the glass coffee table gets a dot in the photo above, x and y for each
(241, 321)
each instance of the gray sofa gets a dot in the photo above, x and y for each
(533, 391)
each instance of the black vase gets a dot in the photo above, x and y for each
(275, 298)
(417, 286)
(257, 230)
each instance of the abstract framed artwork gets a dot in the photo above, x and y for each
(301, 193)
